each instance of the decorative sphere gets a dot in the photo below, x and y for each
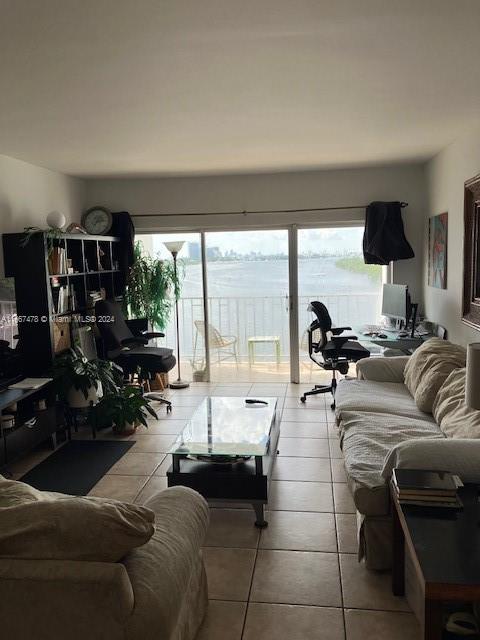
(56, 220)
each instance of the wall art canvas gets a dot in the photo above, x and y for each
(437, 251)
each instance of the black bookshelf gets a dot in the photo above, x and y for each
(44, 322)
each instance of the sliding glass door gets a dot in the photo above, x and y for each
(190, 303)
(248, 331)
(331, 269)
(255, 287)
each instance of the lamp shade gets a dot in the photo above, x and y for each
(472, 383)
(175, 246)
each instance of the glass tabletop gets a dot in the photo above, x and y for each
(228, 426)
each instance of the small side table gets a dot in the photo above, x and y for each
(275, 340)
(444, 547)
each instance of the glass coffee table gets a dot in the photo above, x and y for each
(227, 450)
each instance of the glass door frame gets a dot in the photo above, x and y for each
(292, 303)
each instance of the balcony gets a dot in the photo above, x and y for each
(246, 317)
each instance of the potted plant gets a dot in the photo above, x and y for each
(80, 381)
(125, 410)
(152, 287)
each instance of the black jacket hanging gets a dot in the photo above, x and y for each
(384, 238)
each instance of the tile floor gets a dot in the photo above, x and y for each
(299, 578)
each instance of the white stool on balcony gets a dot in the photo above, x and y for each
(275, 340)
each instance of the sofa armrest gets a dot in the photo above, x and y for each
(161, 571)
(66, 599)
(459, 456)
(382, 369)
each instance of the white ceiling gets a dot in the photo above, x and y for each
(165, 87)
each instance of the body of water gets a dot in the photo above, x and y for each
(248, 298)
(270, 278)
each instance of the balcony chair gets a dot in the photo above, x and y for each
(130, 349)
(226, 345)
(337, 351)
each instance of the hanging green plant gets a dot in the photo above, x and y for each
(152, 288)
(50, 234)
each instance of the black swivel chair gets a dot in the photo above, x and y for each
(337, 350)
(131, 351)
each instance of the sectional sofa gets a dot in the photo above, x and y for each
(403, 412)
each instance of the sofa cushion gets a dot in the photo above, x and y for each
(455, 418)
(367, 439)
(38, 525)
(382, 369)
(429, 367)
(376, 397)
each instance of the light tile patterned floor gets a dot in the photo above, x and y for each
(298, 579)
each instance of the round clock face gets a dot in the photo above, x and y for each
(97, 221)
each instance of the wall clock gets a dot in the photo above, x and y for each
(97, 221)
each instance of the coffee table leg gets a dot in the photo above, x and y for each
(176, 463)
(260, 521)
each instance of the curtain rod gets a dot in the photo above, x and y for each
(244, 213)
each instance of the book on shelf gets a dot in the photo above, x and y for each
(453, 504)
(95, 296)
(62, 302)
(426, 487)
(57, 261)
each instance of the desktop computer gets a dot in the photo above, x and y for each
(399, 309)
(396, 303)
(398, 306)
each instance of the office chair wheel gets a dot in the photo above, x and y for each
(332, 406)
(303, 399)
(169, 408)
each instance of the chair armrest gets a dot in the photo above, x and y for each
(460, 456)
(337, 330)
(150, 335)
(339, 341)
(64, 596)
(382, 369)
(133, 341)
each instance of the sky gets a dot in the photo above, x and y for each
(340, 239)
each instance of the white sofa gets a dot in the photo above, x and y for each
(382, 427)
(158, 591)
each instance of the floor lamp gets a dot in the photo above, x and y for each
(175, 248)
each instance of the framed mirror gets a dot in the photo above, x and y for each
(471, 266)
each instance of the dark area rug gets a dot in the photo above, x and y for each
(77, 466)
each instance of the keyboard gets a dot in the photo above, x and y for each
(372, 328)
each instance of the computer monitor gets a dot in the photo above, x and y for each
(396, 302)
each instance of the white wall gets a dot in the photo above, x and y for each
(273, 191)
(29, 193)
(446, 175)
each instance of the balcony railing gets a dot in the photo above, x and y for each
(244, 317)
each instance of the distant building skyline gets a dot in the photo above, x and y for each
(333, 241)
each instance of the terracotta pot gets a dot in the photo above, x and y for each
(76, 398)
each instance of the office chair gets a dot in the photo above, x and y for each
(130, 350)
(337, 351)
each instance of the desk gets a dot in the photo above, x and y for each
(406, 345)
(446, 555)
